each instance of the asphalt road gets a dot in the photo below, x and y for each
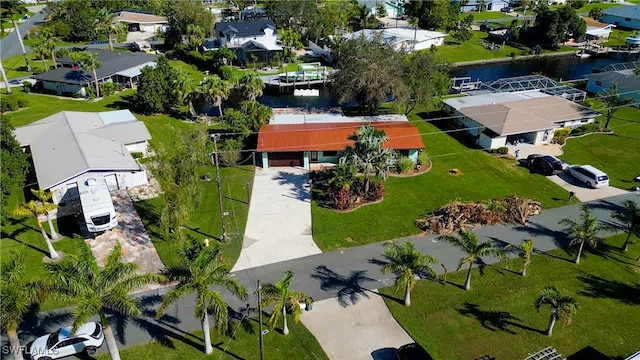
(345, 274)
(10, 46)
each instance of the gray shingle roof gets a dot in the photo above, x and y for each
(112, 63)
(244, 28)
(70, 143)
(625, 11)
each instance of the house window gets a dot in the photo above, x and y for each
(314, 156)
(598, 83)
(329, 153)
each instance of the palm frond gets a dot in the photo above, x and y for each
(219, 311)
(84, 311)
(182, 290)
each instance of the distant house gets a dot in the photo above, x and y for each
(307, 140)
(403, 39)
(489, 5)
(393, 8)
(498, 119)
(70, 146)
(251, 37)
(628, 85)
(626, 16)
(119, 67)
(142, 25)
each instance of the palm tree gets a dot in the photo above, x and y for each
(4, 78)
(630, 218)
(368, 154)
(612, 101)
(481, 5)
(17, 7)
(406, 262)
(36, 209)
(18, 296)
(562, 306)
(41, 53)
(199, 269)
(97, 289)
(584, 231)
(474, 250)
(282, 297)
(214, 90)
(251, 85)
(47, 42)
(105, 24)
(89, 61)
(525, 250)
(44, 197)
(195, 36)
(184, 90)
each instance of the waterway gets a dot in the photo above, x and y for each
(565, 68)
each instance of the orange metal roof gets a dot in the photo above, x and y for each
(332, 136)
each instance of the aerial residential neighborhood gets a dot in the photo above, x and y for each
(345, 180)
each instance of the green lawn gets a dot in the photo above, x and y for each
(484, 177)
(618, 37)
(299, 344)
(488, 15)
(471, 50)
(617, 155)
(497, 319)
(15, 66)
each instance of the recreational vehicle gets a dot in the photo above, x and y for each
(97, 207)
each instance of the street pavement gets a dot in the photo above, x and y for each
(10, 46)
(345, 275)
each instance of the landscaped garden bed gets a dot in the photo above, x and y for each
(341, 189)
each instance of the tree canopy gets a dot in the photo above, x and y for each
(14, 162)
(553, 27)
(155, 92)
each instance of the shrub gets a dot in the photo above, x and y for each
(10, 103)
(376, 191)
(108, 88)
(585, 129)
(230, 152)
(340, 199)
(503, 150)
(577, 4)
(26, 86)
(22, 102)
(137, 154)
(404, 164)
(226, 72)
(560, 135)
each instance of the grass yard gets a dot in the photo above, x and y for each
(15, 66)
(497, 318)
(453, 52)
(299, 344)
(617, 155)
(484, 177)
(488, 15)
(618, 37)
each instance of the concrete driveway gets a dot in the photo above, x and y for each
(364, 330)
(279, 221)
(584, 193)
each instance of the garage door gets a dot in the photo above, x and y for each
(285, 159)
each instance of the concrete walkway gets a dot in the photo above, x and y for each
(279, 221)
(360, 330)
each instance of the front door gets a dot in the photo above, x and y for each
(314, 156)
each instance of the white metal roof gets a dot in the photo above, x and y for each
(136, 70)
(492, 98)
(322, 118)
(398, 35)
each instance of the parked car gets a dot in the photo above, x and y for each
(544, 164)
(589, 175)
(506, 9)
(412, 351)
(62, 343)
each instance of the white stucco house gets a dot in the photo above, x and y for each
(403, 39)
(488, 5)
(257, 37)
(71, 146)
(498, 119)
(142, 24)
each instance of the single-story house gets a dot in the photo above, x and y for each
(625, 16)
(119, 67)
(142, 22)
(71, 146)
(307, 139)
(497, 119)
(489, 5)
(403, 39)
(628, 85)
(251, 37)
(596, 32)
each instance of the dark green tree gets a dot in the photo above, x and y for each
(462, 30)
(290, 14)
(14, 163)
(155, 92)
(424, 78)
(181, 14)
(596, 13)
(433, 14)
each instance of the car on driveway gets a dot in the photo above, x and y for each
(412, 351)
(589, 175)
(62, 343)
(544, 164)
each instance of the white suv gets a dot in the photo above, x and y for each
(88, 338)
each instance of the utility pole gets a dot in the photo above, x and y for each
(215, 137)
(260, 322)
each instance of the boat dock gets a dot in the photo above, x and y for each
(612, 50)
(462, 84)
(307, 75)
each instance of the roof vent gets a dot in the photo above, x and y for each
(90, 182)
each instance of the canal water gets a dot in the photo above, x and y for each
(565, 68)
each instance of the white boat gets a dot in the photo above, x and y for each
(583, 54)
(633, 40)
(306, 92)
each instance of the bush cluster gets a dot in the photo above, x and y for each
(560, 135)
(12, 103)
(585, 129)
(404, 165)
(340, 188)
(502, 150)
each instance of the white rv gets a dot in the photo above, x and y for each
(97, 207)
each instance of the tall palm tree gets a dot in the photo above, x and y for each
(474, 250)
(251, 85)
(35, 209)
(195, 36)
(47, 42)
(612, 101)
(184, 90)
(525, 250)
(44, 197)
(214, 90)
(563, 306)
(17, 7)
(584, 231)
(18, 295)
(368, 153)
(282, 297)
(89, 61)
(105, 24)
(199, 269)
(42, 53)
(96, 290)
(7, 85)
(406, 262)
(630, 219)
